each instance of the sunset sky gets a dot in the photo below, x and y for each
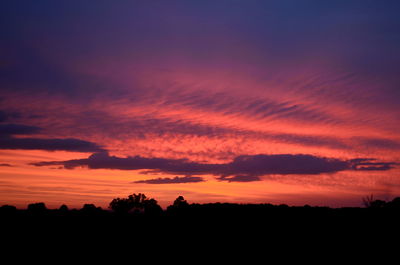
(294, 102)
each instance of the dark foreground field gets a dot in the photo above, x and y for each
(210, 221)
(202, 232)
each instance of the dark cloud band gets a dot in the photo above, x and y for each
(8, 141)
(243, 168)
(18, 129)
(69, 144)
(175, 180)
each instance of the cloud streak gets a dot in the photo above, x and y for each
(370, 164)
(245, 168)
(239, 178)
(18, 129)
(175, 180)
(8, 141)
(68, 144)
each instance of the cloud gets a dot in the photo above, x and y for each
(263, 108)
(7, 141)
(175, 180)
(307, 140)
(103, 160)
(142, 126)
(284, 164)
(3, 116)
(243, 168)
(18, 129)
(380, 143)
(240, 178)
(68, 144)
(6, 115)
(5, 165)
(369, 164)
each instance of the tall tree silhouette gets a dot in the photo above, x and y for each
(180, 202)
(135, 203)
(179, 205)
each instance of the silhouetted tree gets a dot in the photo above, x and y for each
(369, 202)
(63, 208)
(37, 208)
(90, 210)
(377, 204)
(8, 210)
(89, 207)
(180, 202)
(395, 203)
(151, 207)
(120, 206)
(135, 203)
(179, 205)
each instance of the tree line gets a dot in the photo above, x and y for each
(140, 204)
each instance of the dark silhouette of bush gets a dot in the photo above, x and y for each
(370, 203)
(37, 208)
(8, 210)
(367, 200)
(89, 207)
(377, 204)
(63, 211)
(395, 203)
(90, 210)
(63, 208)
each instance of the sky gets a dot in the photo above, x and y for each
(283, 102)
